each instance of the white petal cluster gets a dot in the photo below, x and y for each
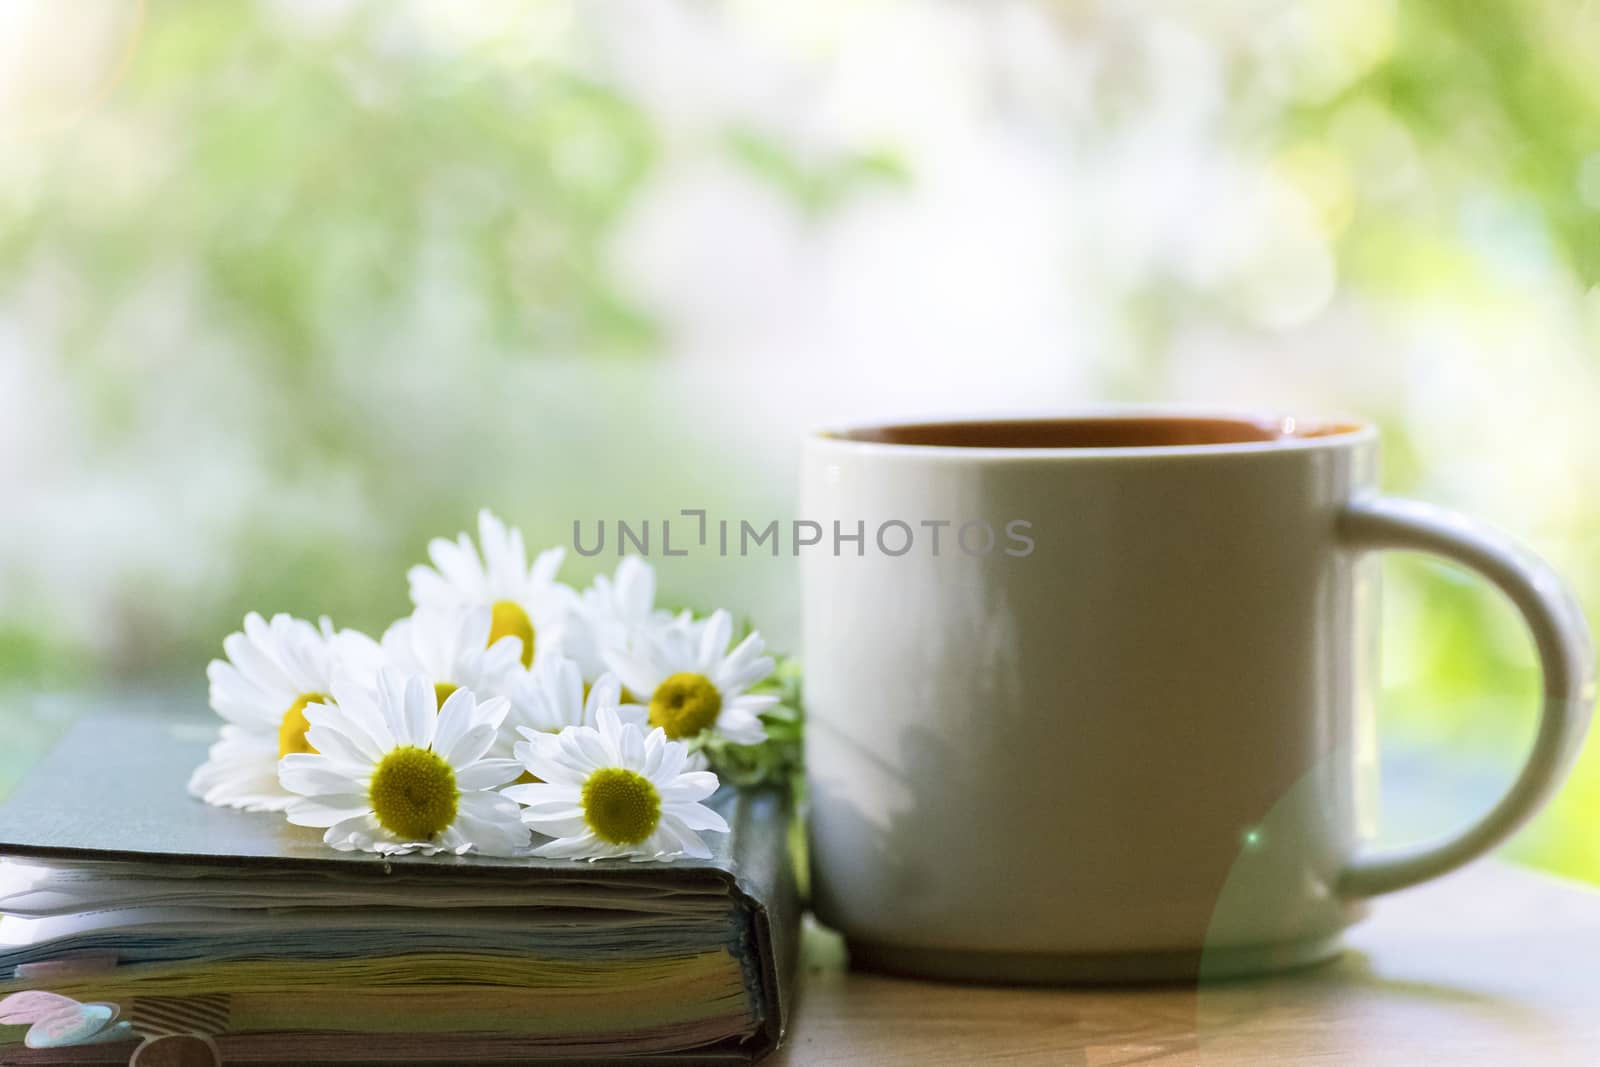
(501, 672)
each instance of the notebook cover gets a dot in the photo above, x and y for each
(113, 789)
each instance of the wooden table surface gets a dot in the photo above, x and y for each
(1493, 965)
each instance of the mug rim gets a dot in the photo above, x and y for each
(1348, 431)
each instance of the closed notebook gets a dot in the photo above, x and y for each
(118, 889)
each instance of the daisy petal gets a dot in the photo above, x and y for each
(309, 776)
(471, 746)
(585, 845)
(697, 817)
(714, 638)
(693, 786)
(420, 712)
(636, 674)
(487, 773)
(457, 715)
(337, 744)
(329, 809)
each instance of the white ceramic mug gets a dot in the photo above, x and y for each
(1119, 723)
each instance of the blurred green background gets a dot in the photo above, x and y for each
(288, 287)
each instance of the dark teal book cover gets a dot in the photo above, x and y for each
(117, 888)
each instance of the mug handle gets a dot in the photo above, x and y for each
(1566, 662)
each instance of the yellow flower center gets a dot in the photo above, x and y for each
(685, 704)
(621, 806)
(509, 620)
(442, 691)
(413, 793)
(292, 730)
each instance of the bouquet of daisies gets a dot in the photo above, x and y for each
(508, 714)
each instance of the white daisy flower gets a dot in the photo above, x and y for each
(613, 614)
(689, 682)
(395, 773)
(453, 648)
(614, 791)
(525, 602)
(273, 671)
(552, 697)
